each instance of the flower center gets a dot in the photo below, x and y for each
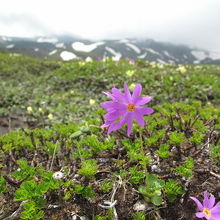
(131, 107)
(206, 212)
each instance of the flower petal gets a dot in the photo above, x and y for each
(109, 95)
(107, 124)
(139, 118)
(198, 203)
(106, 105)
(117, 94)
(200, 214)
(216, 209)
(120, 123)
(111, 105)
(113, 115)
(142, 100)
(129, 122)
(136, 93)
(114, 126)
(127, 94)
(144, 110)
(215, 216)
(211, 202)
(208, 202)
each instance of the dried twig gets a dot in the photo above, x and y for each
(54, 152)
(15, 182)
(215, 174)
(12, 157)
(15, 214)
(198, 151)
(111, 204)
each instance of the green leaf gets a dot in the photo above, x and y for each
(3, 187)
(76, 134)
(157, 200)
(21, 195)
(88, 168)
(41, 188)
(67, 195)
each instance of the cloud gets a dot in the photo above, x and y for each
(23, 24)
(196, 23)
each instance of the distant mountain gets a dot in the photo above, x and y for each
(67, 47)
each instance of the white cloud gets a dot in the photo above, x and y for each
(194, 22)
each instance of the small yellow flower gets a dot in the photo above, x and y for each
(81, 63)
(71, 92)
(130, 73)
(29, 110)
(115, 58)
(92, 102)
(50, 116)
(153, 64)
(181, 69)
(105, 59)
(40, 110)
(88, 59)
(160, 65)
(132, 86)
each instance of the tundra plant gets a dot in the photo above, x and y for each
(207, 209)
(125, 107)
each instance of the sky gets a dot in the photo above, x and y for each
(192, 22)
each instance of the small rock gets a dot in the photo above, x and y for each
(140, 206)
(58, 175)
(155, 168)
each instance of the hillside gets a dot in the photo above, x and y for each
(70, 47)
(56, 162)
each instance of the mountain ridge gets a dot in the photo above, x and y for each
(67, 47)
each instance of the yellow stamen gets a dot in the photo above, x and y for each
(207, 212)
(131, 107)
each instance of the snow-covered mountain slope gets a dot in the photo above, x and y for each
(69, 47)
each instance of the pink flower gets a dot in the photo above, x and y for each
(207, 209)
(125, 107)
(131, 61)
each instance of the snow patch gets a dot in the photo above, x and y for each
(79, 46)
(134, 47)
(113, 52)
(160, 61)
(47, 40)
(10, 46)
(169, 55)
(171, 62)
(66, 55)
(52, 52)
(123, 41)
(199, 55)
(60, 45)
(214, 55)
(6, 38)
(153, 51)
(36, 49)
(166, 53)
(142, 56)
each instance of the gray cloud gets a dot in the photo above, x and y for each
(197, 24)
(25, 21)
(201, 29)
